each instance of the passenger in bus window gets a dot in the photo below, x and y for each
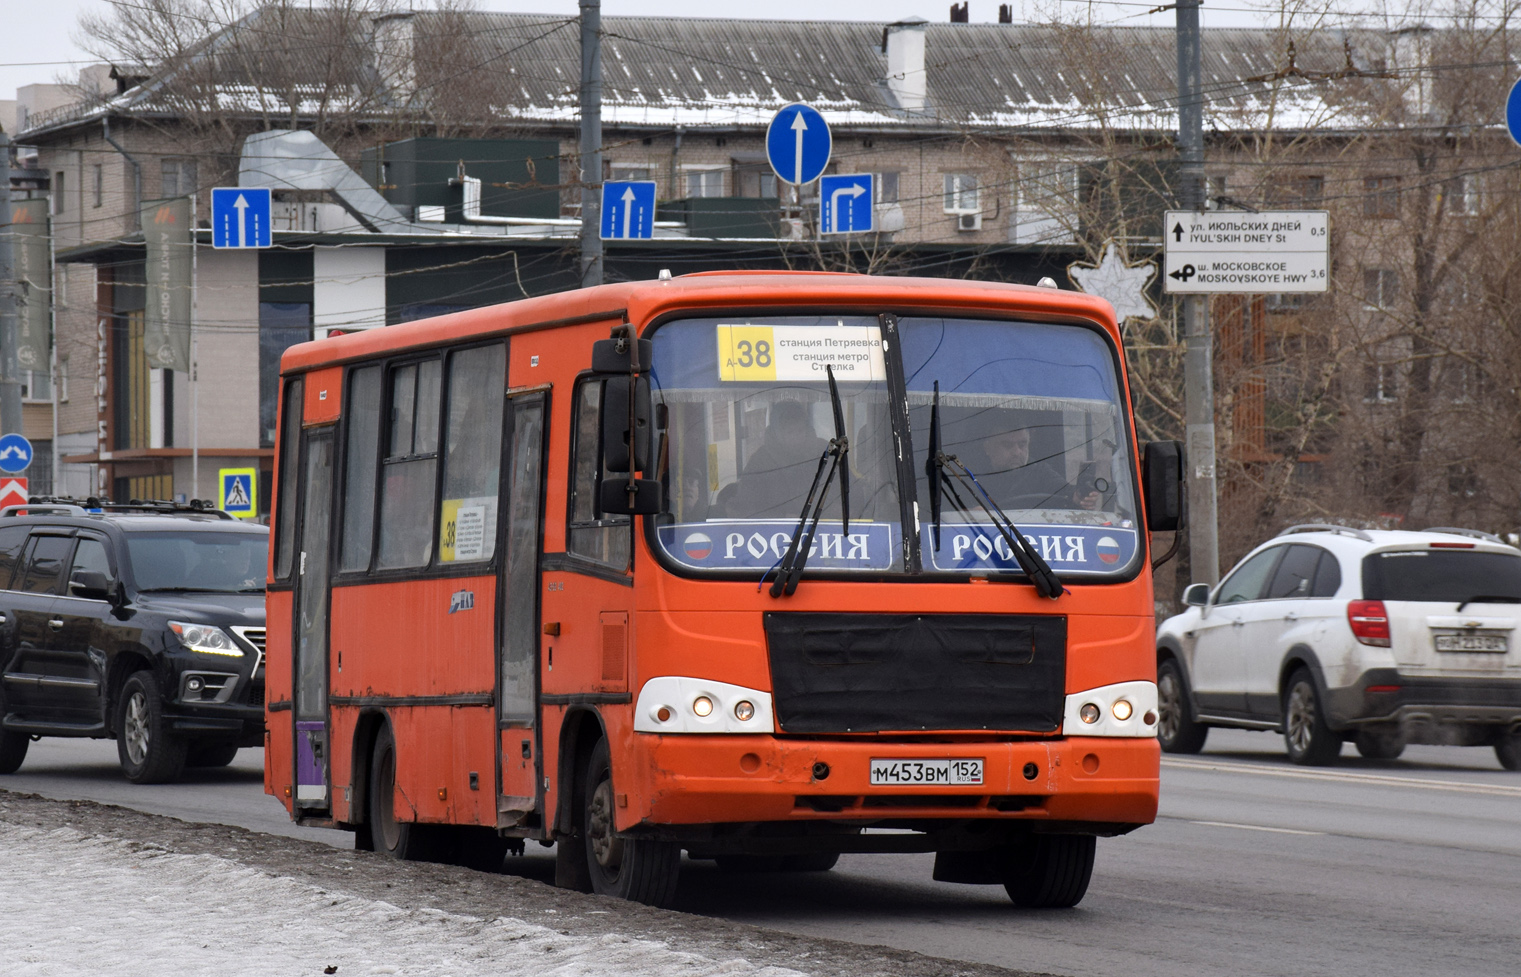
(777, 475)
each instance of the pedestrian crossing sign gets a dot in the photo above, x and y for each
(239, 492)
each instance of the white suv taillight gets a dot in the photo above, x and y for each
(1370, 622)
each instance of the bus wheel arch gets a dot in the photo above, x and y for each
(637, 869)
(580, 732)
(366, 732)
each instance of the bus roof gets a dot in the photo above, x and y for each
(642, 301)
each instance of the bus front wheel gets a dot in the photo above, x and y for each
(637, 869)
(405, 840)
(1050, 871)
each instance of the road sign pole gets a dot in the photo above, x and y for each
(10, 380)
(591, 143)
(195, 367)
(1198, 361)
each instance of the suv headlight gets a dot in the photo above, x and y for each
(205, 639)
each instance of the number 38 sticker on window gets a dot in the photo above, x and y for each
(769, 353)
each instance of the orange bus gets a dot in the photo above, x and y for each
(759, 567)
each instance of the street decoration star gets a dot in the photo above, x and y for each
(1124, 285)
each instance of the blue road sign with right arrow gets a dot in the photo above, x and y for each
(798, 143)
(628, 210)
(845, 204)
(240, 218)
(15, 453)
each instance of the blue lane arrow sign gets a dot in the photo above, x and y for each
(1513, 112)
(240, 218)
(15, 453)
(845, 204)
(798, 144)
(628, 210)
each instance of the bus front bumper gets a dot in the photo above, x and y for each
(697, 779)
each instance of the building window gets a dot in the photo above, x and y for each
(1462, 481)
(1379, 383)
(1296, 193)
(754, 180)
(886, 187)
(631, 172)
(961, 193)
(705, 183)
(179, 177)
(1381, 196)
(98, 179)
(281, 326)
(1380, 288)
(1464, 195)
(36, 386)
(58, 192)
(1287, 302)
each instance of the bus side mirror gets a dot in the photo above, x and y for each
(617, 449)
(613, 355)
(1196, 595)
(616, 501)
(1162, 481)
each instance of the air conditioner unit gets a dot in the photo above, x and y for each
(968, 222)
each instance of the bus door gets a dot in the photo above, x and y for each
(520, 783)
(310, 620)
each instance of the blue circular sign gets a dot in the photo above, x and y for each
(798, 143)
(15, 453)
(1513, 112)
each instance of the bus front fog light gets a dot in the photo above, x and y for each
(744, 711)
(663, 714)
(1089, 713)
(1121, 709)
(702, 706)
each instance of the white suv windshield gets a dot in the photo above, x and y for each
(1032, 410)
(1442, 576)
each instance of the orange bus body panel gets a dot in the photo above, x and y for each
(279, 751)
(323, 396)
(397, 639)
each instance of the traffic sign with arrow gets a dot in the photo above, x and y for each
(240, 217)
(798, 144)
(628, 210)
(845, 204)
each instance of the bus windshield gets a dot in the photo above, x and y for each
(1033, 411)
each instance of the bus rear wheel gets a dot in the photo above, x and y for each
(636, 869)
(1050, 871)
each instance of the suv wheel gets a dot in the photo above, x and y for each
(149, 752)
(211, 754)
(1508, 749)
(1176, 728)
(12, 750)
(1310, 742)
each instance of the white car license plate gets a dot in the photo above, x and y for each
(914, 773)
(1472, 642)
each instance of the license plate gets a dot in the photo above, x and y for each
(944, 773)
(1471, 642)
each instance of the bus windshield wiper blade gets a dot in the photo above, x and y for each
(1488, 599)
(835, 455)
(932, 467)
(1045, 580)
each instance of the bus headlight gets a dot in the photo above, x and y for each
(1122, 709)
(205, 639)
(1089, 713)
(702, 706)
(744, 711)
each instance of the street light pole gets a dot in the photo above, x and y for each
(591, 143)
(1198, 362)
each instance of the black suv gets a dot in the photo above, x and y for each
(141, 622)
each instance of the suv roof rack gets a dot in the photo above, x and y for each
(1474, 533)
(1326, 527)
(69, 506)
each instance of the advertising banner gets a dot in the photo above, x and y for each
(166, 317)
(34, 276)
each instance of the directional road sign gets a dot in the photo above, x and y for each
(845, 204)
(240, 218)
(15, 453)
(628, 210)
(1513, 112)
(1272, 251)
(798, 144)
(13, 491)
(239, 495)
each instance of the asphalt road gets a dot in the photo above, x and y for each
(1255, 867)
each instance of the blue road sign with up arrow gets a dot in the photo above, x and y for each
(15, 453)
(240, 218)
(798, 144)
(845, 204)
(628, 210)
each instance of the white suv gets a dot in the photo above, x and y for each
(1327, 634)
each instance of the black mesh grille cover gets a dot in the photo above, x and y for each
(837, 673)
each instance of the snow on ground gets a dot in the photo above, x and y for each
(74, 904)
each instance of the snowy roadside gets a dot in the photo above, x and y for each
(92, 889)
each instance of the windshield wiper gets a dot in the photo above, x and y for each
(1488, 599)
(940, 466)
(836, 456)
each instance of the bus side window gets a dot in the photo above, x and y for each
(410, 467)
(591, 534)
(285, 504)
(361, 449)
(472, 455)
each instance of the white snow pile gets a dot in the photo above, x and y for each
(72, 904)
